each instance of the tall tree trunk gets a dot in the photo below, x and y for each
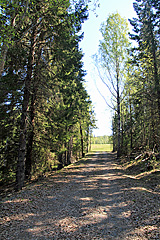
(156, 77)
(60, 160)
(66, 145)
(87, 139)
(28, 163)
(131, 121)
(114, 136)
(20, 174)
(82, 148)
(123, 148)
(118, 118)
(69, 152)
(152, 130)
(90, 141)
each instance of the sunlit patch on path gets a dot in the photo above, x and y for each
(91, 199)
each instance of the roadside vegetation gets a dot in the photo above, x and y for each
(45, 111)
(145, 166)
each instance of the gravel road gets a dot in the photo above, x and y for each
(91, 199)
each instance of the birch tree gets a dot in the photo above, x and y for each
(113, 50)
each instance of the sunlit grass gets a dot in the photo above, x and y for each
(101, 147)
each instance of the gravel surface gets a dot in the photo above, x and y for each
(91, 199)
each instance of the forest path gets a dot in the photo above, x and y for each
(91, 199)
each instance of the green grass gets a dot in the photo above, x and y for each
(102, 147)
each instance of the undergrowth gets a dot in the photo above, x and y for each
(144, 166)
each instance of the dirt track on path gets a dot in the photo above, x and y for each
(91, 199)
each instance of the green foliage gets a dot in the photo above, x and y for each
(113, 51)
(44, 65)
(114, 46)
(140, 108)
(136, 123)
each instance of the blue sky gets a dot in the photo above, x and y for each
(89, 47)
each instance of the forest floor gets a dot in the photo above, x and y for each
(95, 198)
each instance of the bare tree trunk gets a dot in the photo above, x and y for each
(60, 160)
(69, 152)
(20, 174)
(28, 164)
(123, 148)
(90, 141)
(114, 137)
(156, 77)
(82, 148)
(152, 130)
(118, 118)
(131, 123)
(87, 139)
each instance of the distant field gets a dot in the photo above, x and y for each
(101, 147)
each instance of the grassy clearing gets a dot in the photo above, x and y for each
(101, 147)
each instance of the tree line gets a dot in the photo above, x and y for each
(129, 65)
(46, 115)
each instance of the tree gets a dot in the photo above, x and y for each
(145, 58)
(43, 90)
(113, 50)
(13, 16)
(146, 34)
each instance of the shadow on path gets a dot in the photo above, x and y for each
(91, 199)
